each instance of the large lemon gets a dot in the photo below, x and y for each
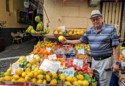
(85, 83)
(53, 82)
(61, 38)
(19, 71)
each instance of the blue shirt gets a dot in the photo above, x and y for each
(101, 43)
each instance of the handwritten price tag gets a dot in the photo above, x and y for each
(78, 62)
(69, 71)
(52, 56)
(29, 57)
(48, 65)
(81, 51)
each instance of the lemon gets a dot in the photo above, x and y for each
(40, 76)
(2, 79)
(40, 71)
(44, 82)
(49, 73)
(61, 38)
(22, 58)
(74, 78)
(6, 73)
(9, 69)
(30, 75)
(13, 80)
(7, 78)
(67, 83)
(76, 83)
(48, 78)
(54, 75)
(39, 81)
(62, 76)
(85, 83)
(36, 69)
(34, 80)
(24, 74)
(27, 70)
(35, 74)
(70, 79)
(37, 58)
(53, 82)
(15, 76)
(32, 61)
(80, 82)
(80, 77)
(21, 80)
(19, 71)
(27, 78)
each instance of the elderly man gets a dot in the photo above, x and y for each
(104, 45)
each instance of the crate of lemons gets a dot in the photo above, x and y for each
(29, 72)
(38, 30)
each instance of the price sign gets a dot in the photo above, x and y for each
(48, 49)
(14, 67)
(78, 62)
(81, 51)
(48, 65)
(62, 28)
(29, 57)
(69, 71)
(52, 56)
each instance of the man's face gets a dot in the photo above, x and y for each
(97, 21)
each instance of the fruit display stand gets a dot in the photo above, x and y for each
(69, 33)
(51, 64)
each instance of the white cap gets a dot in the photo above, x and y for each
(95, 13)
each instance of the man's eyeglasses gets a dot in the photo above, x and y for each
(95, 19)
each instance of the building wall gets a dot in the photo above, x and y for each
(11, 17)
(72, 14)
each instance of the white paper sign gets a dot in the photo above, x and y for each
(78, 62)
(62, 28)
(14, 67)
(81, 51)
(48, 49)
(29, 57)
(52, 56)
(48, 65)
(69, 71)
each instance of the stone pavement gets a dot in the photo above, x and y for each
(12, 53)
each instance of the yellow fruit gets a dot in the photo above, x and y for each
(80, 82)
(24, 74)
(54, 75)
(7, 78)
(27, 78)
(40, 71)
(40, 76)
(85, 83)
(34, 80)
(80, 77)
(70, 79)
(2, 79)
(19, 71)
(21, 80)
(35, 74)
(53, 82)
(9, 69)
(76, 83)
(22, 58)
(36, 69)
(62, 76)
(48, 78)
(49, 73)
(37, 58)
(27, 70)
(61, 38)
(37, 18)
(15, 76)
(13, 80)
(74, 78)
(32, 61)
(30, 75)
(44, 82)
(67, 83)
(39, 81)
(6, 73)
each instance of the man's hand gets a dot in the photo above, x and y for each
(115, 67)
